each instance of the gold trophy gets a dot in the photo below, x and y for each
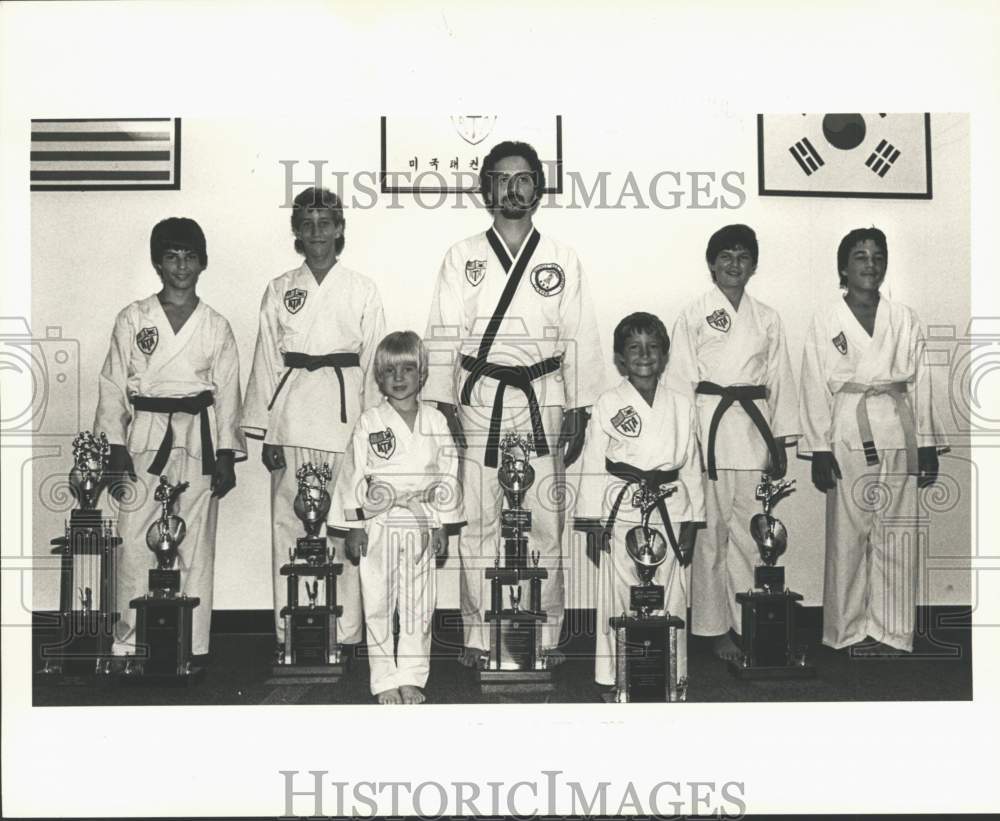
(83, 632)
(769, 649)
(516, 663)
(164, 615)
(310, 653)
(646, 657)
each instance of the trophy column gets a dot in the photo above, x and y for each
(310, 653)
(768, 618)
(516, 663)
(84, 627)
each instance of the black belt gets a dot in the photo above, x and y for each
(652, 479)
(294, 360)
(170, 405)
(744, 394)
(515, 376)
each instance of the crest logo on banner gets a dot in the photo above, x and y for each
(548, 279)
(840, 343)
(147, 340)
(719, 319)
(627, 422)
(295, 298)
(383, 443)
(475, 270)
(474, 128)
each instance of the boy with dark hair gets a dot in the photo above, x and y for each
(641, 431)
(169, 403)
(731, 359)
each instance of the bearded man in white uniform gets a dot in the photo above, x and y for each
(514, 346)
(311, 379)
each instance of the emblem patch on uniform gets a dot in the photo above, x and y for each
(383, 443)
(147, 339)
(627, 422)
(295, 298)
(840, 343)
(719, 319)
(548, 279)
(475, 270)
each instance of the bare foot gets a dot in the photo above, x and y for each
(554, 657)
(392, 696)
(411, 694)
(469, 656)
(725, 648)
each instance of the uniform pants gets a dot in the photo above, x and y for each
(286, 528)
(615, 576)
(392, 580)
(725, 554)
(195, 555)
(872, 556)
(481, 542)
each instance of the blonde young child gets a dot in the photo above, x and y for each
(398, 489)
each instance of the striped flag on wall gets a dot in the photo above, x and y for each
(113, 154)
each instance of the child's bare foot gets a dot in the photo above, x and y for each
(554, 657)
(725, 648)
(392, 696)
(469, 656)
(411, 694)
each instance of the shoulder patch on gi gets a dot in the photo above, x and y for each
(147, 339)
(627, 422)
(719, 319)
(295, 298)
(840, 343)
(383, 443)
(475, 270)
(548, 279)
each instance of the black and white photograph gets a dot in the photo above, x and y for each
(363, 454)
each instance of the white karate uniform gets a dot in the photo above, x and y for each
(713, 342)
(341, 315)
(872, 553)
(625, 429)
(398, 485)
(550, 315)
(147, 359)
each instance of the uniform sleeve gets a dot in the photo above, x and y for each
(815, 398)
(372, 329)
(593, 475)
(228, 403)
(682, 366)
(443, 335)
(447, 498)
(351, 487)
(113, 410)
(583, 362)
(930, 433)
(265, 372)
(690, 472)
(781, 385)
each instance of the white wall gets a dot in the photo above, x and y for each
(89, 253)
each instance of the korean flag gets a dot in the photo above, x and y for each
(844, 155)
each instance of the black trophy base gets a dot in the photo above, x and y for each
(305, 674)
(163, 657)
(134, 673)
(761, 673)
(79, 651)
(646, 660)
(516, 682)
(768, 641)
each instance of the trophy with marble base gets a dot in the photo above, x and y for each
(164, 616)
(84, 630)
(646, 652)
(768, 641)
(516, 663)
(310, 653)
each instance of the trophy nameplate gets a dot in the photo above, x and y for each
(768, 639)
(83, 633)
(516, 663)
(310, 653)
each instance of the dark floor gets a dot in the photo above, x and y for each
(940, 669)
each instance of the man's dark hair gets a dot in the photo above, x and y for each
(858, 235)
(317, 198)
(640, 322)
(729, 239)
(177, 233)
(501, 151)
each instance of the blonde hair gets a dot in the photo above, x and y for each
(400, 347)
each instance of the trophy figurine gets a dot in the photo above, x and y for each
(164, 615)
(768, 639)
(84, 632)
(516, 663)
(310, 653)
(648, 666)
